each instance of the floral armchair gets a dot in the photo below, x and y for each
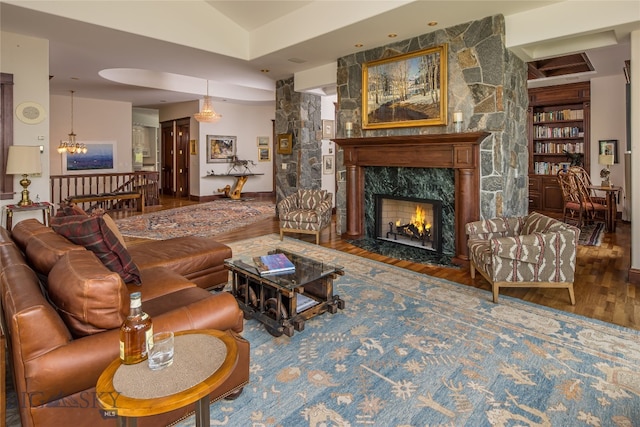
(305, 211)
(530, 251)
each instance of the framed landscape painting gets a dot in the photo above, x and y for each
(99, 158)
(221, 149)
(406, 90)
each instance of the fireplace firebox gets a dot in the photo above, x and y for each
(409, 221)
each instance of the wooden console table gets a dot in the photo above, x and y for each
(45, 207)
(235, 191)
(612, 204)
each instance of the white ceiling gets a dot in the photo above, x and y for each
(230, 42)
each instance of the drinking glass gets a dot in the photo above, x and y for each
(161, 353)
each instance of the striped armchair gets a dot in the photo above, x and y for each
(530, 251)
(305, 211)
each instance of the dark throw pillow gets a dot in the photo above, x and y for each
(93, 233)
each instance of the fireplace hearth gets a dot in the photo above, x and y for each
(409, 221)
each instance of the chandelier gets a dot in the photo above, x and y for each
(71, 146)
(207, 114)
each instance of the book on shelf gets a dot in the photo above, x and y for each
(303, 302)
(274, 264)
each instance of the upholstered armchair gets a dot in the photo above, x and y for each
(305, 211)
(531, 251)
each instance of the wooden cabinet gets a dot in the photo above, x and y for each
(558, 134)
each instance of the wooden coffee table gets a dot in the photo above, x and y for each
(283, 302)
(140, 392)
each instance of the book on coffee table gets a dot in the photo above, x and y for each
(274, 264)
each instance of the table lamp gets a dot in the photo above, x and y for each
(608, 160)
(24, 160)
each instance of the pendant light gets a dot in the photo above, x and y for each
(71, 146)
(207, 114)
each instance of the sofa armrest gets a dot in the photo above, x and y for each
(76, 366)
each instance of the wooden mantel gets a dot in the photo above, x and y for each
(458, 151)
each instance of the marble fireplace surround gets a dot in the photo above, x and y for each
(457, 151)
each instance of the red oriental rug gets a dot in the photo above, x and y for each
(206, 219)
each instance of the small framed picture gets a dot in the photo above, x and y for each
(609, 147)
(264, 154)
(193, 147)
(263, 141)
(328, 129)
(327, 165)
(285, 145)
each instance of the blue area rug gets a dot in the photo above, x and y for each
(413, 350)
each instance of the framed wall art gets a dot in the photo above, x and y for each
(327, 165)
(285, 145)
(609, 147)
(405, 90)
(264, 154)
(263, 141)
(328, 129)
(193, 147)
(99, 158)
(221, 149)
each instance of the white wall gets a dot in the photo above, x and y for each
(27, 58)
(246, 123)
(608, 121)
(93, 120)
(328, 112)
(635, 149)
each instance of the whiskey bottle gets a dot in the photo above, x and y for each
(136, 333)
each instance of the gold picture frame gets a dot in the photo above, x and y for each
(264, 154)
(193, 147)
(406, 90)
(285, 145)
(263, 141)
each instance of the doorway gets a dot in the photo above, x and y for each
(174, 172)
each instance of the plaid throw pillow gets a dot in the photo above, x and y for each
(93, 233)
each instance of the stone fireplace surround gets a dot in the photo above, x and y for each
(457, 151)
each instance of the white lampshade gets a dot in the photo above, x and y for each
(23, 160)
(606, 159)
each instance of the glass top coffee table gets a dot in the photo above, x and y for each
(284, 301)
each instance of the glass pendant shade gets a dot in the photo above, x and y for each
(71, 146)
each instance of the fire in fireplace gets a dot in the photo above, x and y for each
(409, 221)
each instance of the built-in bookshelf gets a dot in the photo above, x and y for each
(558, 137)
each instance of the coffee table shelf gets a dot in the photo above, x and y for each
(274, 299)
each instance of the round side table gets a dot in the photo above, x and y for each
(203, 360)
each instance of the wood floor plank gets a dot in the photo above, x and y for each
(601, 287)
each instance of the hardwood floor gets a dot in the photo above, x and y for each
(601, 287)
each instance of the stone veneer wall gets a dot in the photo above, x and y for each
(486, 82)
(300, 115)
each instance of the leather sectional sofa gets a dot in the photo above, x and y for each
(62, 308)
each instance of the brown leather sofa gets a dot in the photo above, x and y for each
(61, 307)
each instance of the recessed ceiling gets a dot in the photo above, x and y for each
(559, 66)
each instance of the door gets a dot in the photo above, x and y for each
(166, 169)
(182, 158)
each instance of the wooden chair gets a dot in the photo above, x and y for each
(586, 178)
(578, 201)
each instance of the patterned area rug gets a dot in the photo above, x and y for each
(591, 234)
(206, 219)
(413, 350)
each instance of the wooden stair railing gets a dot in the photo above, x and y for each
(105, 189)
